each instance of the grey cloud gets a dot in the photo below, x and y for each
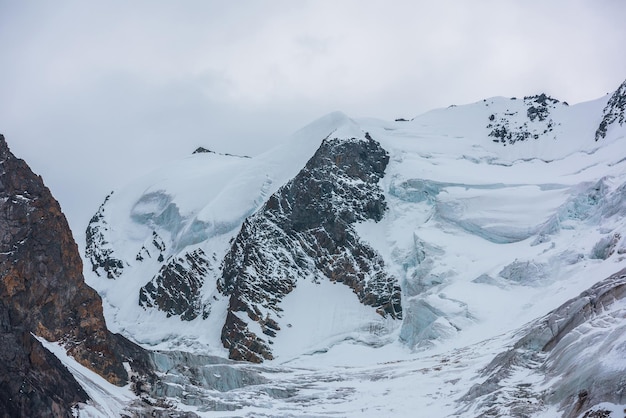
(95, 93)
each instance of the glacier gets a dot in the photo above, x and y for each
(495, 221)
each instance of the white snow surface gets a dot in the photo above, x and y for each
(483, 238)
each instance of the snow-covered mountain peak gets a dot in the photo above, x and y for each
(334, 125)
(372, 236)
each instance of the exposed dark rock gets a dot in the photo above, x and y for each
(506, 130)
(43, 292)
(98, 251)
(304, 231)
(242, 344)
(598, 413)
(33, 382)
(156, 246)
(540, 107)
(176, 288)
(614, 111)
(158, 242)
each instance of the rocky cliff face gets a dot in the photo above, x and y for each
(99, 251)
(42, 291)
(305, 232)
(614, 111)
(33, 382)
(176, 288)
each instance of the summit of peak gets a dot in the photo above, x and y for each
(334, 125)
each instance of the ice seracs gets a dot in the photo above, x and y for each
(436, 235)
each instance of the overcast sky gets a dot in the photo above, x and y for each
(95, 93)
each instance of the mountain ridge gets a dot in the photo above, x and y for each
(532, 109)
(476, 219)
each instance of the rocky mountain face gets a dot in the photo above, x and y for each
(33, 382)
(99, 251)
(175, 290)
(514, 126)
(305, 231)
(614, 111)
(455, 230)
(43, 293)
(550, 348)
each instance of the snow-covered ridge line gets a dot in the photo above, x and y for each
(447, 231)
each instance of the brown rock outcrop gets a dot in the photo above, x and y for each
(43, 292)
(33, 382)
(41, 276)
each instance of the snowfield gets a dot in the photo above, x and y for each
(498, 213)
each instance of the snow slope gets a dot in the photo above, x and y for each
(497, 213)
